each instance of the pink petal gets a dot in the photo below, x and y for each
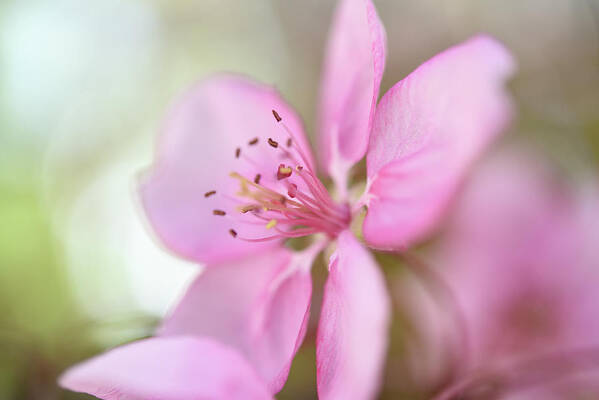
(427, 130)
(167, 369)
(353, 68)
(258, 305)
(196, 154)
(514, 255)
(352, 334)
(514, 250)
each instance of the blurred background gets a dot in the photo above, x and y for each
(84, 86)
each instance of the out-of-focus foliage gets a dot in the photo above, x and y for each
(84, 85)
(40, 325)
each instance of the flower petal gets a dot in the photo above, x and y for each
(502, 256)
(167, 369)
(352, 334)
(258, 305)
(427, 129)
(353, 68)
(197, 153)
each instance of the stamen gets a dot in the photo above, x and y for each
(210, 193)
(250, 160)
(281, 235)
(283, 172)
(248, 208)
(293, 140)
(289, 208)
(292, 190)
(297, 232)
(263, 239)
(319, 191)
(268, 198)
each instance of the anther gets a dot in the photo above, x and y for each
(253, 141)
(289, 142)
(210, 193)
(299, 167)
(277, 116)
(271, 224)
(292, 191)
(218, 212)
(237, 152)
(232, 232)
(273, 143)
(283, 172)
(248, 208)
(257, 179)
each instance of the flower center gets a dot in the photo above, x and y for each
(289, 201)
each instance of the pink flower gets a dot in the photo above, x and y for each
(232, 180)
(520, 259)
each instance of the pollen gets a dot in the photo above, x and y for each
(283, 172)
(271, 224)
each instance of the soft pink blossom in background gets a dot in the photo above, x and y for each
(236, 330)
(519, 255)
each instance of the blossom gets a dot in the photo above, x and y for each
(519, 257)
(234, 176)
